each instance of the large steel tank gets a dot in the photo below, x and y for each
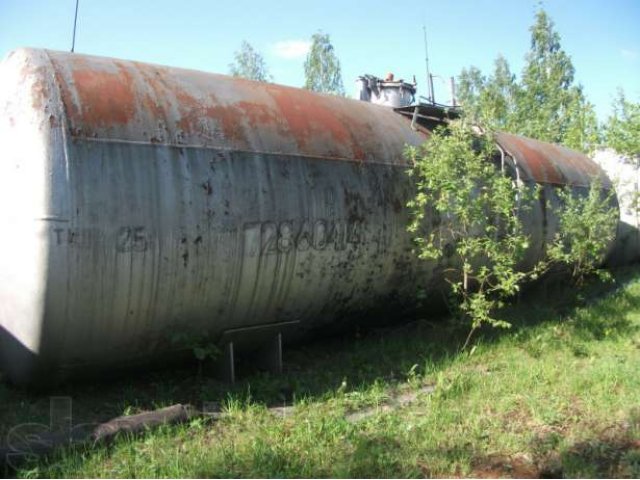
(139, 200)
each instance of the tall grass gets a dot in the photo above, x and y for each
(557, 394)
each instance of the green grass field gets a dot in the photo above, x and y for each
(556, 395)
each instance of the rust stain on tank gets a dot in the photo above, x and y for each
(152, 106)
(542, 169)
(194, 112)
(39, 92)
(154, 94)
(39, 88)
(308, 115)
(229, 120)
(551, 164)
(358, 153)
(577, 162)
(70, 107)
(186, 101)
(128, 100)
(257, 114)
(105, 98)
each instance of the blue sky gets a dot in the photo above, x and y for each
(601, 36)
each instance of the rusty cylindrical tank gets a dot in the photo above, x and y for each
(138, 201)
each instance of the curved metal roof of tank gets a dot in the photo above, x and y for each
(550, 163)
(111, 99)
(539, 161)
(107, 99)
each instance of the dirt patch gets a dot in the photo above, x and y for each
(613, 453)
(506, 466)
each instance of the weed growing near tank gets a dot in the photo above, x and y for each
(467, 216)
(554, 396)
(587, 225)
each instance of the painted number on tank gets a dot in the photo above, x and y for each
(284, 237)
(132, 239)
(76, 237)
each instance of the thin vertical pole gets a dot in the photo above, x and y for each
(75, 21)
(453, 91)
(426, 59)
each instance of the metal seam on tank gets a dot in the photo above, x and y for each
(261, 214)
(305, 156)
(232, 150)
(298, 155)
(64, 127)
(65, 124)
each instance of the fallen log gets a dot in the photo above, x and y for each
(135, 424)
(35, 440)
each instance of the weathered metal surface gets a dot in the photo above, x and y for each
(128, 101)
(550, 167)
(140, 201)
(550, 164)
(386, 92)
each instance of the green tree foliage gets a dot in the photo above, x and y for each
(475, 205)
(622, 131)
(545, 104)
(471, 83)
(581, 130)
(249, 63)
(551, 107)
(491, 101)
(547, 77)
(587, 225)
(322, 68)
(466, 215)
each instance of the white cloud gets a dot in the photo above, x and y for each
(629, 54)
(290, 49)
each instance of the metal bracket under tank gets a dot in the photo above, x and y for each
(264, 341)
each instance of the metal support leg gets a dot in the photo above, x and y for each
(270, 356)
(225, 368)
